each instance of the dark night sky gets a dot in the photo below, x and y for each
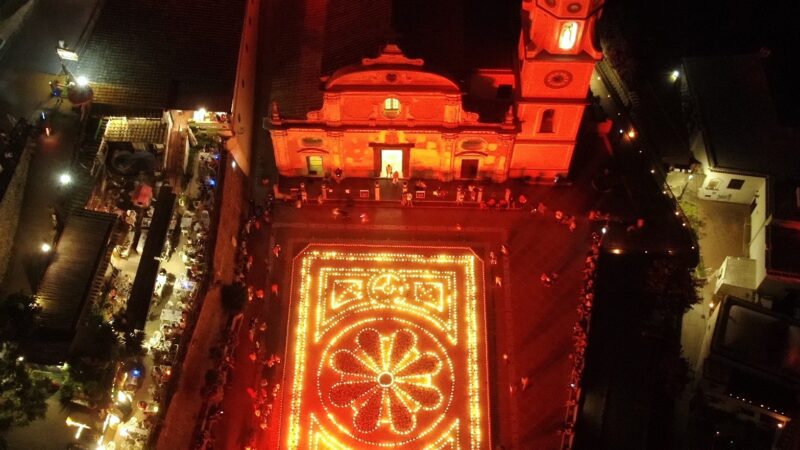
(662, 32)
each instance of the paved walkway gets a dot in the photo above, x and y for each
(52, 157)
(722, 235)
(534, 327)
(28, 64)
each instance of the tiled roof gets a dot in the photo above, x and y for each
(68, 281)
(165, 54)
(136, 130)
(315, 38)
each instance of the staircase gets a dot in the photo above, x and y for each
(83, 162)
(99, 280)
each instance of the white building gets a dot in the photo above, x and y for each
(746, 141)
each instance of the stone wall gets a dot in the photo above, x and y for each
(10, 206)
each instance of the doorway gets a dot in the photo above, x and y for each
(469, 168)
(314, 165)
(393, 158)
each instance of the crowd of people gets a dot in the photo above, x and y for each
(176, 296)
(580, 331)
(262, 394)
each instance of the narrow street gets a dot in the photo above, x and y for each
(30, 59)
(29, 63)
(722, 234)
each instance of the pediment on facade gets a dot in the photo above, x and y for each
(391, 70)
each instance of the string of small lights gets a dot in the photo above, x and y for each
(382, 328)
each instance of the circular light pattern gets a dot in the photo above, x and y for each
(387, 287)
(558, 79)
(388, 383)
(396, 337)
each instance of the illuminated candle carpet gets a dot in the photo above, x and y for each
(386, 349)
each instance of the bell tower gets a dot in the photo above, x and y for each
(557, 53)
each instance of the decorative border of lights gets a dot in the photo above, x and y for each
(340, 290)
(359, 280)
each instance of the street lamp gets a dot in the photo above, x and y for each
(199, 115)
(674, 75)
(65, 179)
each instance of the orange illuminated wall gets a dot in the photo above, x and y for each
(392, 103)
(557, 54)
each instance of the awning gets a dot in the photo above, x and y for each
(142, 195)
(78, 262)
(145, 281)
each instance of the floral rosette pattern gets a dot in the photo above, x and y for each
(386, 380)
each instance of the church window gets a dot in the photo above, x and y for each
(391, 107)
(735, 183)
(473, 144)
(568, 35)
(311, 141)
(546, 126)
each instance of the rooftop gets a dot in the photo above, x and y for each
(317, 38)
(136, 130)
(759, 338)
(165, 55)
(68, 281)
(743, 128)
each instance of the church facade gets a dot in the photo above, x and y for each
(391, 116)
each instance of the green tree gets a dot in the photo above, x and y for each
(22, 398)
(672, 287)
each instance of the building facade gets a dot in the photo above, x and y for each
(391, 116)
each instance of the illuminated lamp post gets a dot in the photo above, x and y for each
(65, 179)
(79, 92)
(46, 249)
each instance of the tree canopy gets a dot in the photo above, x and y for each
(22, 398)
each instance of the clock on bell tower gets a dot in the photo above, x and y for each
(557, 53)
